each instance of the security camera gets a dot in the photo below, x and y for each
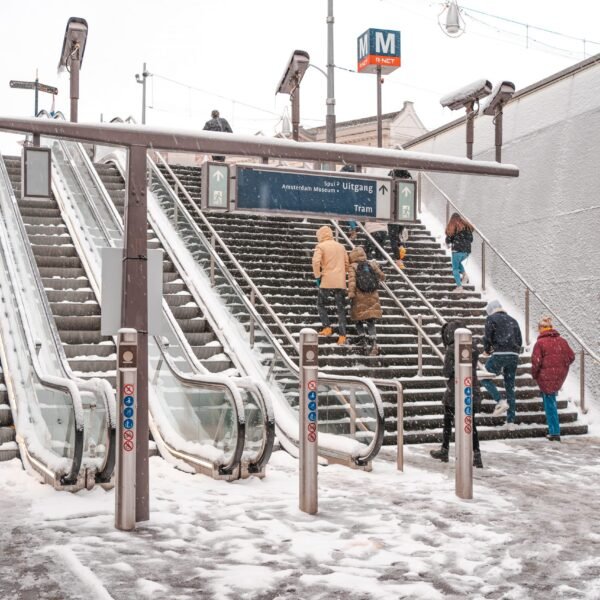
(294, 72)
(467, 95)
(74, 42)
(500, 95)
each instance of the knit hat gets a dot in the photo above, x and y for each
(545, 323)
(493, 307)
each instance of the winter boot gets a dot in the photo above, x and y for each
(441, 454)
(326, 331)
(341, 340)
(400, 264)
(477, 462)
(402, 252)
(464, 278)
(374, 349)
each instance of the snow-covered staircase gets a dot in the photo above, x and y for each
(276, 253)
(8, 446)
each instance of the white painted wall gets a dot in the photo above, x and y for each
(546, 223)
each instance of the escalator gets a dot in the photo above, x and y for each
(200, 420)
(64, 424)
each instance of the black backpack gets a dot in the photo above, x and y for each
(366, 277)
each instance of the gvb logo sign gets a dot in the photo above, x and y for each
(378, 48)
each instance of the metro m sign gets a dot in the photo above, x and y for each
(378, 48)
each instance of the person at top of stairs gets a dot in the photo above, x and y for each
(459, 236)
(363, 281)
(217, 123)
(397, 233)
(378, 231)
(550, 361)
(330, 266)
(447, 334)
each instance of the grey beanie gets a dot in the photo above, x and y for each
(493, 306)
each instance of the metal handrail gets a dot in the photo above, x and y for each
(393, 296)
(377, 441)
(208, 381)
(62, 384)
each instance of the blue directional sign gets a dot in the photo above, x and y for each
(272, 190)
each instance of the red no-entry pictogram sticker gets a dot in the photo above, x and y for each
(128, 434)
(128, 445)
(312, 427)
(312, 437)
(312, 385)
(467, 382)
(128, 388)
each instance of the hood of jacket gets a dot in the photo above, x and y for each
(357, 254)
(448, 330)
(549, 333)
(324, 234)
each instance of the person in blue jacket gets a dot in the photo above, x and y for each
(459, 236)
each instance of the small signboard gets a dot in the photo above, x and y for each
(35, 173)
(270, 190)
(406, 196)
(215, 180)
(378, 48)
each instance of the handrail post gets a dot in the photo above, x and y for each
(482, 265)
(212, 262)
(419, 182)
(527, 316)
(582, 382)
(252, 322)
(400, 429)
(353, 413)
(447, 211)
(420, 346)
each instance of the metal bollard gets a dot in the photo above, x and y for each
(463, 412)
(127, 432)
(308, 435)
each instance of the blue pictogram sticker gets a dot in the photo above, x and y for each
(468, 401)
(467, 391)
(128, 423)
(312, 406)
(128, 401)
(468, 411)
(312, 395)
(312, 416)
(128, 412)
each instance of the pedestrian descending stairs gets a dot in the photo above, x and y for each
(276, 252)
(188, 314)
(72, 301)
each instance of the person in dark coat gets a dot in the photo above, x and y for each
(448, 330)
(459, 236)
(397, 233)
(366, 308)
(503, 340)
(550, 361)
(217, 123)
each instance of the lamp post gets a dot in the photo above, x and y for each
(142, 79)
(71, 57)
(330, 102)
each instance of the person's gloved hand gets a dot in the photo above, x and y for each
(318, 282)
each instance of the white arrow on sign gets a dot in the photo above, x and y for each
(405, 191)
(218, 175)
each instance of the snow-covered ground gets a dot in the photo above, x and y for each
(531, 532)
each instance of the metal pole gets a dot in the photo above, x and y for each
(379, 123)
(213, 245)
(330, 102)
(308, 434)
(463, 413)
(36, 95)
(498, 134)
(483, 266)
(470, 129)
(582, 382)
(400, 430)
(144, 76)
(447, 211)
(127, 437)
(252, 324)
(296, 111)
(527, 316)
(420, 345)
(75, 65)
(419, 182)
(134, 307)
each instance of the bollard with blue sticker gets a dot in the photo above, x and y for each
(463, 412)
(309, 420)
(126, 434)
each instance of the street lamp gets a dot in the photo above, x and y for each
(455, 24)
(466, 97)
(290, 84)
(500, 95)
(142, 79)
(72, 55)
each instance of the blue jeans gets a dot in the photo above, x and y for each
(457, 265)
(507, 365)
(551, 413)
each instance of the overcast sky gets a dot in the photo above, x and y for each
(234, 52)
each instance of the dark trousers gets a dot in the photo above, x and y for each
(372, 252)
(369, 326)
(340, 303)
(395, 231)
(448, 422)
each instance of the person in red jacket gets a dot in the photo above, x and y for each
(550, 362)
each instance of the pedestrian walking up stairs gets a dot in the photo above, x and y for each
(275, 252)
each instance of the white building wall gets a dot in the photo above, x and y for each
(546, 223)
